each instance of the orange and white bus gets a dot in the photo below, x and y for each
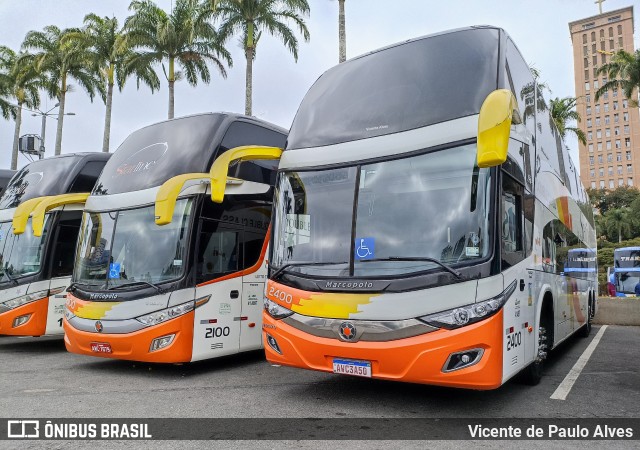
(170, 263)
(424, 207)
(40, 214)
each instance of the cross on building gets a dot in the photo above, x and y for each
(599, 2)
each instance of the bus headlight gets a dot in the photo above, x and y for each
(276, 311)
(166, 314)
(466, 315)
(24, 299)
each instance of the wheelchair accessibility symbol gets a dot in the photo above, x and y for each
(114, 270)
(365, 248)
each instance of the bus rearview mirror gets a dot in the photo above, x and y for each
(499, 110)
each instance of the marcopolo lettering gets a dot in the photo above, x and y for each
(103, 296)
(349, 285)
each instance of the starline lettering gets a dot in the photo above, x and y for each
(348, 285)
(103, 296)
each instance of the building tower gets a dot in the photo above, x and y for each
(611, 157)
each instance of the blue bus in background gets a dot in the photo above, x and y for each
(626, 262)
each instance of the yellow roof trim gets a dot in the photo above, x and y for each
(49, 203)
(220, 167)
(22, 213)
(168, 193)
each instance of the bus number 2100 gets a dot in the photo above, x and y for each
(217, 332)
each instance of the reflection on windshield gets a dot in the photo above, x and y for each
(137, 251)
(20, 255)
(434, 205)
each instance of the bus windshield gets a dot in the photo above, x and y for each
(20, 255)
(627, 269)
(432, 206)
(127, 247)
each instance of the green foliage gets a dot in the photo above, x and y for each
(563, 113)
(623, 72)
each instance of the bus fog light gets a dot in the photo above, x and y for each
(460, 360)
(161, 342)
(273, 344)
(21, 320)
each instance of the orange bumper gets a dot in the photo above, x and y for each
(418, 359)
(35, 326)
(135, 346)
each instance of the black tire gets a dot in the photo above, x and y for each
(533, 373)
(585, 331)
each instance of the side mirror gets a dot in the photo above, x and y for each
(499, 110)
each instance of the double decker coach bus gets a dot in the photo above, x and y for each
(421, 208)
(626, 262)
(40, 214)
(170, 266)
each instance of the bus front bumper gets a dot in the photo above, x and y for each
(418, 359)
(136, 346)
(25, 320)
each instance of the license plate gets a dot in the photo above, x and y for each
(100, 347)
(351, 367)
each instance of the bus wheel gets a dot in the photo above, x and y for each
(533, 373)
(586, 328)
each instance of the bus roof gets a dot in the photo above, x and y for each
(152, 155)
(401, 87)
(626, 249)
(73, 172)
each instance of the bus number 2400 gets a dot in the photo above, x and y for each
(514, 340)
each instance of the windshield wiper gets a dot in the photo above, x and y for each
(158, 289)
(281, 269)
(418, 258)
(74, 285)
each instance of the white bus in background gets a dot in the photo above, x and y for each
(170, 267)
(424, 209)
(40, 214)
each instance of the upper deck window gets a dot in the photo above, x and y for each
(400, 88)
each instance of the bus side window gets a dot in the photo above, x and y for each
(218, 251)
(511, 221)
(65, 244)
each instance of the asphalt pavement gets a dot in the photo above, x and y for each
(38, 378)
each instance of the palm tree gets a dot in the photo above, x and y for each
(6, 109)
(342, 33)
(250, 18)
(109, 50)
(619, 221)
(22, 81)
(623, 72)
(185, 36)
(562, 112)
(59, 59)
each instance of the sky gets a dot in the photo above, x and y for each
(539, 29)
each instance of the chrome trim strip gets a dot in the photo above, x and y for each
(366, 330)
(108, 326)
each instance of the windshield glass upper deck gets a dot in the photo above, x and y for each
(382, 218)
(127, 247)
(407, 86)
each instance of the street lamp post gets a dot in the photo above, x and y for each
(43, 127)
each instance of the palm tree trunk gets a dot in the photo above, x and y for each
(16, 137)
(619, 234)
(342, 33)
(172, 81)
(63, 94)
(248, 103)
(107, 119)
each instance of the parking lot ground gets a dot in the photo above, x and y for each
(38, 378)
